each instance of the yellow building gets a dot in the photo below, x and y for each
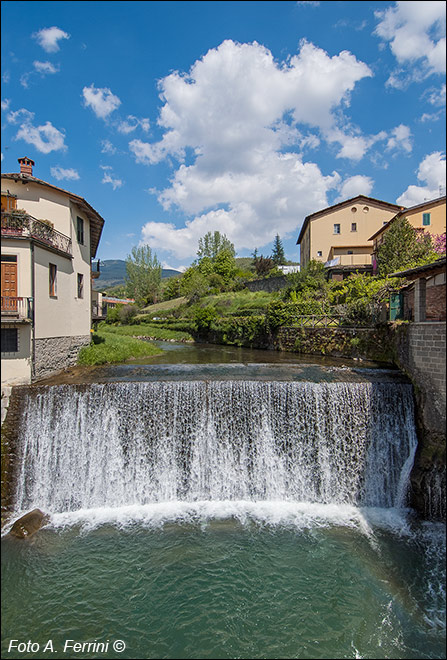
(49, 236)
(339, 235)
(428, 216)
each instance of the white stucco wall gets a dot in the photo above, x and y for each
(16, 367)
(62, 315)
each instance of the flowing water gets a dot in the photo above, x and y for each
(223, 516)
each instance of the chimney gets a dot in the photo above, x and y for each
(26, 165)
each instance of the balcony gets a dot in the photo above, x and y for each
(16, 308)
(17, 224)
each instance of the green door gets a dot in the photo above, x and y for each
(396, 306)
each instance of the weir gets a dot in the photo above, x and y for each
(139, 443)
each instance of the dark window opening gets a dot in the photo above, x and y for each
(10, 340)
(80, 230)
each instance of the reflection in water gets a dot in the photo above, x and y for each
(225, 362)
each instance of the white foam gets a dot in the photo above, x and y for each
(297, 515)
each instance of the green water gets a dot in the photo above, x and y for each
(226, 589)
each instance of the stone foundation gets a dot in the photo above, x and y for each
(420, 353)
(56, 353)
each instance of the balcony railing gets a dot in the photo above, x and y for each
(16, 307)
(17, 224)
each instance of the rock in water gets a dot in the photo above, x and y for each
(29, 524)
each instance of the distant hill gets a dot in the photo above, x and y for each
(113, 272)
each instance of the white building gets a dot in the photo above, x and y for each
(49, 237)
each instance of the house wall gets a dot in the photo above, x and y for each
(437, 225)
(42, 203)
(62, 322)
(434, 301)
(20, 249)
(437, 218)
(16, 367)
(369, 219)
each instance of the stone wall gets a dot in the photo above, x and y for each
(269, 284)
(420, 353)
(10, 429)
(419, 350)
(53, 354)
(361, 343)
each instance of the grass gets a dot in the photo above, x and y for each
(165, 306)
(147, 330)
(238, 302)
(110, 348)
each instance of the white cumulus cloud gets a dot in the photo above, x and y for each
(100, 100)
(236, 123)
(60, 173)
(108, 178)
(44, 138)
(107, 147)
(131, 123)
(355, 185)
(45, 67)
(49, 38)
(431, 172)
(416, 34)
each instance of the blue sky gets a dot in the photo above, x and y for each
(177, 118)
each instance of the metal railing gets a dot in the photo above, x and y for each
(15, 223)
(16, 307)
(319, 320)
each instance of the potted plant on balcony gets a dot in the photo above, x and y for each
(44, 230)
(14, 221)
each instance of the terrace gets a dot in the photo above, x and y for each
(19, 224)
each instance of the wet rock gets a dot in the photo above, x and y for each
(29, 524)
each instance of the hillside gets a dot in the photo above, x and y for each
(113, 272)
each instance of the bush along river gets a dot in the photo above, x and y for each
(223, 509)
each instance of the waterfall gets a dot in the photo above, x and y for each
(122, 444)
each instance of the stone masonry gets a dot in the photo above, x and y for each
(56, 353)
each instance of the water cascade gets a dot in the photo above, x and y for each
(237, 517)
(120, 444)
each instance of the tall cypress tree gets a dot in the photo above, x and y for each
(278, 256)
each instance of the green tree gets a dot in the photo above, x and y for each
(278, 255)
(143, 275)
(264, 265)
(404, 247)
(212, 243)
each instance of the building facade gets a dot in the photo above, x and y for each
(49, 237)
(339, 235)
(428, 217)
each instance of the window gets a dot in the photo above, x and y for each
(350, 251)
(319, 253)
(353, 226)
(336, 229)
(426, 219)
(80, 230)
(10, 340)
(53, 277)
(80, 285)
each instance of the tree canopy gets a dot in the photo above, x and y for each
(143, 275)
(212, 243)
(404, 247)
(278, 255)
